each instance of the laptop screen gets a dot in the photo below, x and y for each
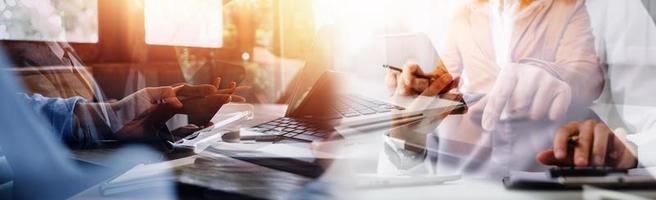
(319, 59)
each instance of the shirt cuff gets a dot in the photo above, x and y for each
(59, 113)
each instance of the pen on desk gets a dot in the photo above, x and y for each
(390, 67)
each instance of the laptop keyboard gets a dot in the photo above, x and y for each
(347, 106)
(289, 128)
(354, 106)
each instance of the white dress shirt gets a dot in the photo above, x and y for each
(547, 34)
(502, 21)
(626, 42)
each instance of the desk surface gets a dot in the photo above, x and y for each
(468, 188)
(486, 189)
(262, 113)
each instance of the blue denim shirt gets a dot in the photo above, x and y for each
(59, 113)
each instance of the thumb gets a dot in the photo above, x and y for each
(165, 95)
(546, 157)
(476, 109)
(497, 99)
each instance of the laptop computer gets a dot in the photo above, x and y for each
(316, 112)
(320, 105)
(321, 112)
(323, 102)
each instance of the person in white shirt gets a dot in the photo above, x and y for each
(624, 136)
(533, 60)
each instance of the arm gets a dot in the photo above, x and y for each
(59, 113)
(75, 121)
(142, 115)
(576, 60)
(450, 56)
(537, 89)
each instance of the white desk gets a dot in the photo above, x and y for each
(466, 188)
(484, 189)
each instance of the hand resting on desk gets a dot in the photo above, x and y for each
(589, 143)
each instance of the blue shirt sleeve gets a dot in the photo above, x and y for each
(58, 112)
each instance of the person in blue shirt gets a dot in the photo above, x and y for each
(86, 121)
(137, 117)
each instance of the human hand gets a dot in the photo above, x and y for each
(144, 113)
(407, 83)
(201, 109)
(523, 91)
(597, 146)
(150, 124)
(147, 110)
(137, 103)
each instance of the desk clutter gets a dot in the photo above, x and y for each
(208, 173)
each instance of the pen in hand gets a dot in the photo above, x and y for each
(572, 143)
(421, 76)
(453, 83)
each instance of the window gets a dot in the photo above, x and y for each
(195, 23)
(49, 20)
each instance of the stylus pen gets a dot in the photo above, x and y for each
(421, 76)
